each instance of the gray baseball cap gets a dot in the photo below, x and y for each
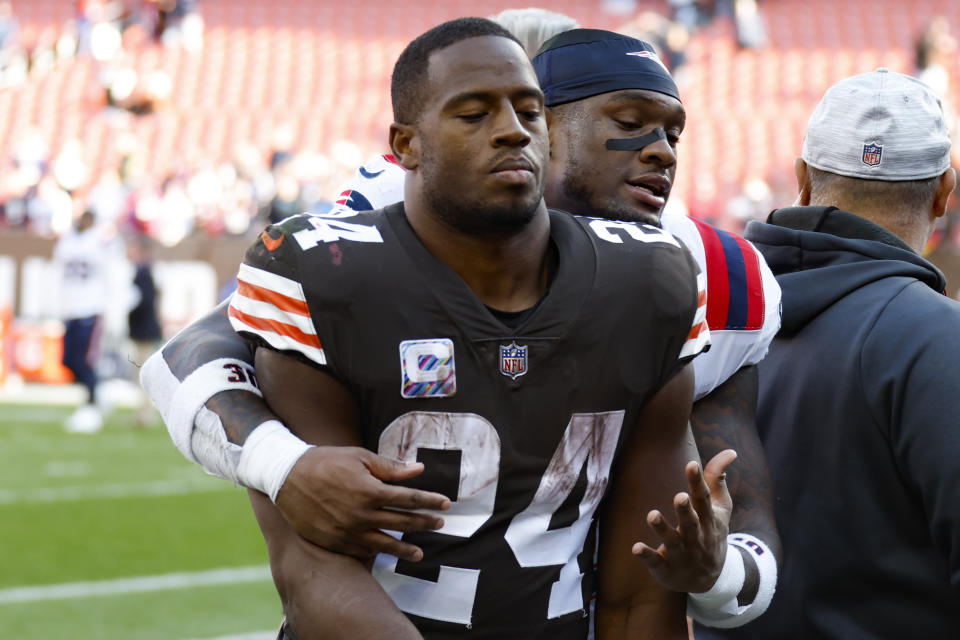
(880, 125)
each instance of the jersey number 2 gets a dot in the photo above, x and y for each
(590, 439)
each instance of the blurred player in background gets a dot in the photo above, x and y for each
(607, 171)
(143, 323)
(80, 258)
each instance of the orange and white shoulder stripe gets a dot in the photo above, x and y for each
(699, 336)
(275, 309)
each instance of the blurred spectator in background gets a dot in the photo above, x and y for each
(751, 29)
(935, 48)
(935, 51)
(43, 54)
(669, 37)
(286, 202)
(176, 217)
(143, 321)
(754, 202)
(13, 60)
(179, 24)
(9, 27)
(49, 208)
(69, 167)
(80, 258)
(689, 14)
(102, 20)
(108, 198)
(129, 91)
(32, 197)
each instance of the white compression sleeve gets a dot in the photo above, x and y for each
(718, 607)
(209, 445)
(270, 451)
(180, 402)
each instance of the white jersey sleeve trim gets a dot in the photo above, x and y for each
(272, 281)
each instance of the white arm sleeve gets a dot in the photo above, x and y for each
(181, 404)
(270, 451)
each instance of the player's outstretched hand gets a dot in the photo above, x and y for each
(691, 555)
(337, 498)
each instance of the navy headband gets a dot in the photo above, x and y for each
(581, 63)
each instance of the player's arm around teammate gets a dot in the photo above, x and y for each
(204, 384)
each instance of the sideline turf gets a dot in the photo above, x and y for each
(57, 526)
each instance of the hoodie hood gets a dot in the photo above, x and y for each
(821, 254)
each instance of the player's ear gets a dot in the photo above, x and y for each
(405, 144)
(551, 119)
(945, 187)
(803, 184)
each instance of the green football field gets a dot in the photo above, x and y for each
(115, 535)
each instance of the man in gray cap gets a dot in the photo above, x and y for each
(858, 399)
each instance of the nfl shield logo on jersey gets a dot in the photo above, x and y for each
(427, 368)
(872, 154)
(513, 360)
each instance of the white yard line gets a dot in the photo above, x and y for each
(114, 490)
(138, 584)
(13, 415)
(253, 635)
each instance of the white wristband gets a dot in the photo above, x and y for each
(730, 614)
(267, 456)
(728, 584)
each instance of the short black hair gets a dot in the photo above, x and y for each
(410, 72)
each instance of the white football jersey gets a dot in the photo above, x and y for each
(743, 297)
(82, 262)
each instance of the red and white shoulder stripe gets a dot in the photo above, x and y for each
(699, 336)
(275, 309)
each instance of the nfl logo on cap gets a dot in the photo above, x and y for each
(513, 360)
(872, 154)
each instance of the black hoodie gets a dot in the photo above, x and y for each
(859, 412)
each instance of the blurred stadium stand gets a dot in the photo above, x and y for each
(322, 69)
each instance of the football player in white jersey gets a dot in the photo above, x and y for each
(81, 258)
(334, 499)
